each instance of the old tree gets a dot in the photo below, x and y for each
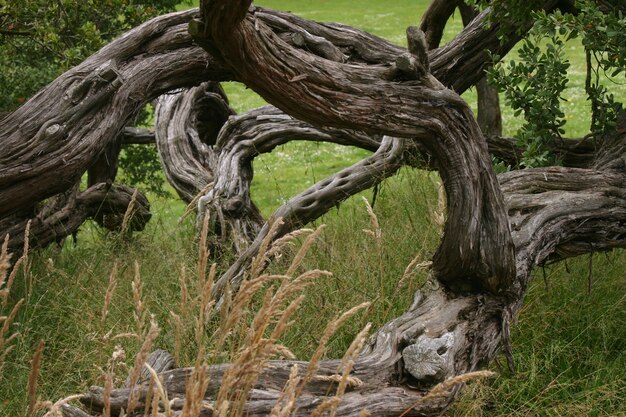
(333, 83)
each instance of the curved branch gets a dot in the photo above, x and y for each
(317, 200)
(476, 251)
(64, 214)
(243, 138)
(184, 142)
(434, 20)
(575, 153)
(53, 138)
(196, 161)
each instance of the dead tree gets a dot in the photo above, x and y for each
(331, 79)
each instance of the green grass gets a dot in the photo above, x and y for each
(569, 346)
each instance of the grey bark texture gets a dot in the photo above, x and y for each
(338, 84)
(460, 319)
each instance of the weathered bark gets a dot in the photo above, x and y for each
(451, 328)
(184, 147)
(64, 214)
(574, 153)
(73, 125)
(217, 167)
(317, 200)
(101, 95)
(489, 116)
(137, 136)
(435, 19)
(242, 138)
(475, 251)
(545, 214)
(57, 135)
(488, 101)
(555, 213)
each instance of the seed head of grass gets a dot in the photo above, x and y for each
(5, 258)
(108, 296)
(33, 378)
(376, 231)
(128, 214)
(140, 360)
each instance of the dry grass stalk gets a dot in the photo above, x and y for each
(376, 231)
(128, 335)
(33, 376)
(203, 252)
(279, 244)
(108, 387)
(283, 352)
(128, 214)
(207, 303)
(178, 325)
(139, 314)
(54, 410)
(364, 413)
(347, 362)
(325, 407)
(442, 389)
(288, 396)
(259, 261)
(352, 381)
(223, 409)
(140, 360)
(193, 204)
(194, 391)
(184, 293)
(108, 296)
(117, 357)
(238, 306)
(5, 340)
(413, 266)
(162, 394)
(9, 282)
(345, 367)
(297, 260)
(149, 400)
(225, 308)
(330, 330)
(273, 318)
(5, 264)
(28, 278)
(199, 382)
(290, 288)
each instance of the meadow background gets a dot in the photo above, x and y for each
(569, 344)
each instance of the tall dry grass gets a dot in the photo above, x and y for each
(246, 331)
(9, 313)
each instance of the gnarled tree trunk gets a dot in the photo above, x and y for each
(342, 82)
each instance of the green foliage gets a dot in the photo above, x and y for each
(39, 39)
(603, 36)
(508, 13)
(534, 83)
(141, 168)
(499, 166)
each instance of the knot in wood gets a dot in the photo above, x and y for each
(429, 358)
(233, 206)
(53, 130)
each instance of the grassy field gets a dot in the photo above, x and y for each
(569, 345)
